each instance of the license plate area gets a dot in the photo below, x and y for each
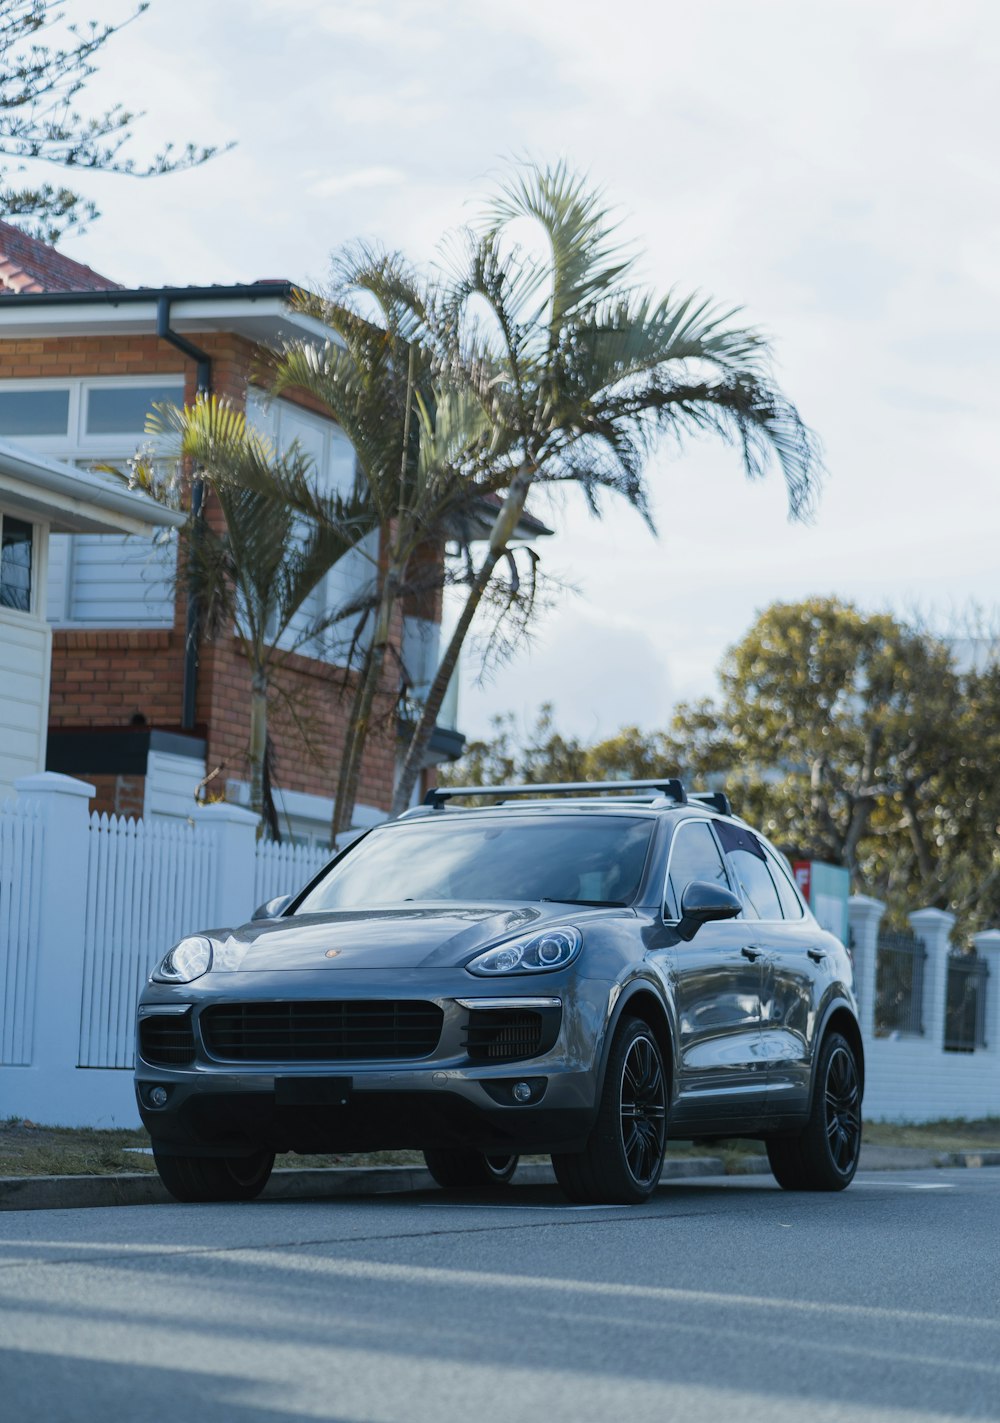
(312, 1091)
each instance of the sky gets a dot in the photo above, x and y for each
(831, 168)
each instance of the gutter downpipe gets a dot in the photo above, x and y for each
(192, 627)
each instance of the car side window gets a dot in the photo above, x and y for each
(693, 855)
(745, 857)
(790, 902)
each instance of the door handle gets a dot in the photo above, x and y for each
(817, 955)
(752, 954)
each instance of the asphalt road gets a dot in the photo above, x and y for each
(721, 1301)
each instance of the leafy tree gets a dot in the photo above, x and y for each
(846, 736)
(254, 569)
(832, 730)
(39, 85)
(579, 370)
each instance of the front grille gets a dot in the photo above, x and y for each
(321, 1032)
(503, 1034)
(166, 1039)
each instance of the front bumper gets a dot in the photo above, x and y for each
(216, 1107)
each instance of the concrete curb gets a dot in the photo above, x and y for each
(35, 1193)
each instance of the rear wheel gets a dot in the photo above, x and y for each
(470, 1170)
(622, 1160)
(214, 1178)
(824, 1155)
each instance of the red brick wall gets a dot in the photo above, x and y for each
(103, 678)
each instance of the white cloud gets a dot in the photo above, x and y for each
(339, 183)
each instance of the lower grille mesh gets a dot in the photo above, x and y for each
(503, 1035)
(166, 1039)
(350, 1031)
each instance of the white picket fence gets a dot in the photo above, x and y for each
(285, 869)
(147, 885)
(21, 848)
(88, 904)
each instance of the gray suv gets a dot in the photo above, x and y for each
(579, 970)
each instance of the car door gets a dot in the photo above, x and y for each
(714, 980)
(789, 974)
(798, 971)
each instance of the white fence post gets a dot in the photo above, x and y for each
(988, 947)
(864, 915)
(934, 926)
(236, 834)
(63, 808)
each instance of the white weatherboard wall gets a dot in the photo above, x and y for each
(25, 658)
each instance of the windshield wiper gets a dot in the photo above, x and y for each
(591, 903)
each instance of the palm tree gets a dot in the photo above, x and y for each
(424, 448)
(280, 537)
(579, 371)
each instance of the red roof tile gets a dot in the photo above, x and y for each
(28, 265)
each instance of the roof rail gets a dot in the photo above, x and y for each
(670, 787)
(718, 800)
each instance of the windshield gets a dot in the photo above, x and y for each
(589, 859)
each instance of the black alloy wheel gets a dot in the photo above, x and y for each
(214, 1178)
(622, 1160)
(824, 1155)
(470, 1170)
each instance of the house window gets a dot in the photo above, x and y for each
(346, 583)
(122, 409)
(97, 580)
(16, 550)
(43, 413)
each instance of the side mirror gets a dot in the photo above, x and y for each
(272, 908)
(702, 903)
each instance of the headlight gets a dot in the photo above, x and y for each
(187, 960)
(540, 953)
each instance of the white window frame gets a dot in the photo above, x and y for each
(39, 571)
(79, 447)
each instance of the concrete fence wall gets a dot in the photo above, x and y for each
(88, 904)
(910, 1077)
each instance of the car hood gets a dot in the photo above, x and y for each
(432, 936)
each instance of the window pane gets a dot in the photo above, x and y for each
(34, 412)
(501, 858)
(756, 885)
(122, 409)
(15, 565)
(789, 899)
(693, 855)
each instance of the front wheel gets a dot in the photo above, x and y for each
(824, 1155)
(470, 1170)
(214, 1178)
(621, 1163)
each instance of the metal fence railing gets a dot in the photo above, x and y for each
(965, 1003)
(899, 984)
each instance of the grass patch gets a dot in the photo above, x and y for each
(949, 1134)
(30, 1150)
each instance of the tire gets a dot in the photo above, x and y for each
(470, 1170)
(824, 1155)
(215, 1178)
(622, 1160)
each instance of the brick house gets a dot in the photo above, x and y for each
(133, 708)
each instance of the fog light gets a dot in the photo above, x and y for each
(522, 1092)
(158, 1096)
